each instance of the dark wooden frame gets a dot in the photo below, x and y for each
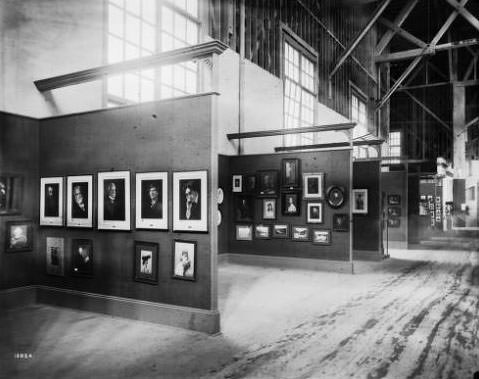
(315, 242)
(307, 238)
(275, 210)
(29, 237)
(330, 193)
(251, 207)
(296, 180)
(13, 196)
(284, 204)
(337, 228)
(249, 226)
(394, 212)
(248, 189)
(280, 236)
(262, 190)
(195, 255)
(394, 199)
(138, 276)
(256, 236)
(76, 242)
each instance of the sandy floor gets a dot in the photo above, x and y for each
(412, 316)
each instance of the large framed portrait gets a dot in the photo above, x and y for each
(51, 201)
(184, 260)
(114, 200)
(262, 231)
(18, 236)
(341, 222)
(11, 194)
(300, 233)
(269, 209)
(281, 231)
(244, 208)
(268, 183)
(315, 212)
(290, 203)
(80, 201)
(321, 237)
(244, 232)
(290, 177)
(55, 256)
(82, 257)
(152, 200)
(313, 185)
(146, 262)
(360, 201)
(190, 201)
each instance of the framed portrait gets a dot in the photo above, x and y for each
(152, 200)
(184, 260)
(250, 184)
(114, 200)
(300, 233)
(394, 199)
(244, 208)
(146, 262)
(394, 212)
(244, 232)
(262, 231)
(220, 196)
(51, 201)
(18, 236)
(290, 177)
(336, 196)
(360, 201)
(82, 257)
(237, 183)
(11, 194)
(190, 201)
(55, 256)
(290, 203)
(315, 213)
(281, 231)
(341, 222)
(321, 237)
(394, 222)
(313, 185)
(80, 201)
(268, 183)
(269, 209)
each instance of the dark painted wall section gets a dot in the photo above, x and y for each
(414, 220)
(224, 182)
(395, 183)
(19, 156)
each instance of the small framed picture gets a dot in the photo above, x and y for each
(244, 208)
(394, 212)
(237, 183)
(51, 201)
(290, 203)
(290, 173)
(341, 222)
(300, 233)
(244, 232)
(11, 194)
(114, 200)
(395, 199)
(18, 236)
(82, 257)
(152, 200)
(336, 196)
(146, 262)
(262, 231)
(360, 201)
(190, 201)
(269, 209)
(315, 213)
(268, 183)
(220, 196)
(80, 201)
(184, 260)
(321, 236)
(281, 231)
(55, 256)
(313, 185)
(250, 184)
(394, 222)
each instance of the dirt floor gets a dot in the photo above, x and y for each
(412, 316)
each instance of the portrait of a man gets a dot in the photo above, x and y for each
(190, 199)
(80, 200)
(152, 206)
(52, 206)
(18, 237)
(114, 200)
(82, 257)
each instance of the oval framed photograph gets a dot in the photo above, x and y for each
(336, 196)
(220, 217)
(221, 195)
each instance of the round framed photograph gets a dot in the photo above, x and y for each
(336, 196)
(219, 217)
(221, 196)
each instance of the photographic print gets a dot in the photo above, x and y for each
(360, 201)
(250, 184)
(290, 203)
(281, 231)
(11, 194)
(146, 262)
(114, 200)
(394, 212)
(237, 183)
(184, 260)
(313, 185)
(80, 201)
(395, 199)
(269, 209)
(341, 222)
(152, 200)
(336, 196)
(18, 236)
(51, 201)
(315, 213)
(300, 233)
(190, 205)
(244, 207)
(268, 182)
(262, 231)
(244, 232)
(55, 256)
(321, 236)
(290, 173)
(394, 222)
(82, 257)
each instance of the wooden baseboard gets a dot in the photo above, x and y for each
(18, 297)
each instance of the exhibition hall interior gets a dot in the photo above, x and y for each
(239, 188)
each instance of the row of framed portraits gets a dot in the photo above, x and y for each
(145, 255)
(190, 201)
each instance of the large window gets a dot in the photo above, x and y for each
(360, 116)
(393, 148)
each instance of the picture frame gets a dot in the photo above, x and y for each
(262, 232)
(11, 194)
(220, 196)
(290, 203)
(237, 183)
(394, 199)
(244, 208)
(394, 212)
(300, 233)
(51, 201)
(184, 259)
(55, 256)
(268, 183)
(341, 222)
(82, 257)
(336, 196)
(244, 232)
(114, 200)
(290, 173)
(313, 185)
(151, 200)
(394, 222)
(282, 231)
(146, 262)
(18, 236)
(250, 184)
(80, 201)
(269, 209)
(190, 201)
(321, 236)
(314, 212)
(360, 201)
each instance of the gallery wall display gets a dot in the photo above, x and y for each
(80, 201)
(281, 231)
(184, 259)
(18, 236)
(290, 203)
(360, 201)
(314, 212)
(152, 200)
(313, 185)
(237, 183)
(300, 233)
(190, 201)
(55, 256)
(262, 231)
(269, 209)
(51, 201)
(146, 262)
(321, 236)
(244, 208)
(82, 257)
(335, 196)
(11, 194)
(114, 200)
(341, 222)
(290, 175)
(268, 183)
(244, 232)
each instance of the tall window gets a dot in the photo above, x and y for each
(393, 149)
(360, 116)
(299, 93)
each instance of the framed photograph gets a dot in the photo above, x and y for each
(394, 212)
(55, 256)
(190, 201)
(114, 200)
(244, 232)
(394, 199)
(82, 257)
(262, 231)
(313, 185)
(146, 262)
(250, 184)
(360, 201)
(152, 200)
(300, 233)
(237, 183)
(244, 208)
(335, 196)
(290, 177)
(184, 260)
(80, 201)
(341, 222)
(51, 201)
(268, 183)
(281, 231)
(290, 203)
(11, 194)
(315, 213)
(321, 237)
(269, 209)
(18, 236)
(394, 222)
(220, 195)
